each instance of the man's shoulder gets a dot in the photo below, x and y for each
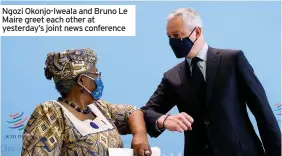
(175, 69)
(227, 52)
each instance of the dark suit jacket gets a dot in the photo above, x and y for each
(231, 86)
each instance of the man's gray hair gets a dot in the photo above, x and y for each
(190, 17)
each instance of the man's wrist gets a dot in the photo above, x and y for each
(160, 122)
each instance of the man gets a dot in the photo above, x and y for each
(212, 89)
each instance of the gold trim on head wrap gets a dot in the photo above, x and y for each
(69, 64)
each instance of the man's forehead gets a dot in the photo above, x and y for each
(176, 21)
(175, 24)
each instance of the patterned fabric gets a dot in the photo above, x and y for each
(50, 132)
(68, 64)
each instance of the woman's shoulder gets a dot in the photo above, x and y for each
(48, 107)
(46, 113)
(102, 103)
(103, 107)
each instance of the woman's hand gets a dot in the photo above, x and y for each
(140, 145)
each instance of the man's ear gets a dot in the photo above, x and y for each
(198, 32)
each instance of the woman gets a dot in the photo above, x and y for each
(79, 123)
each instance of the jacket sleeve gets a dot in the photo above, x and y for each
(159, 103)
(257, 101)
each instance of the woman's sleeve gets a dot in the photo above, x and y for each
(43, 133)
(120, 114)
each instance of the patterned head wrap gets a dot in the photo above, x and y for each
(69, 64)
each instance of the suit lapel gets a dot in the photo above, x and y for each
(213, 66)
(185, 92)
(184, 73)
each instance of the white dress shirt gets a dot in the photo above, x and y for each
(203, 63)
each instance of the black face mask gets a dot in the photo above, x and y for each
(181, 46)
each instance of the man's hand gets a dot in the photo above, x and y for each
(180, 122)
(140, 145)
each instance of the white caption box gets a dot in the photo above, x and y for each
(68, 20)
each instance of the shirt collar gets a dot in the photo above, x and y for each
(202, 54)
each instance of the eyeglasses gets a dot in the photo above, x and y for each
(94, 74)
